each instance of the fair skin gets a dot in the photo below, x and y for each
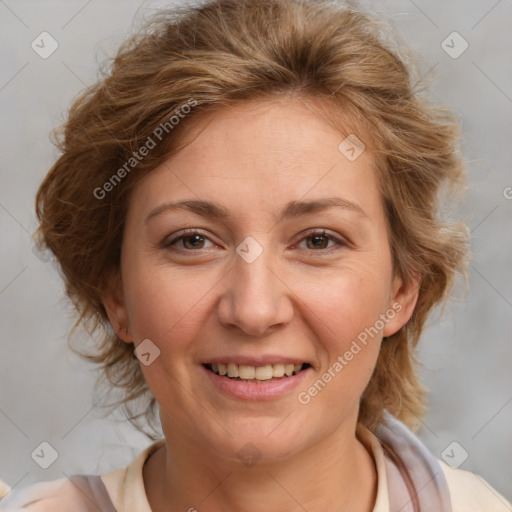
(304, 298)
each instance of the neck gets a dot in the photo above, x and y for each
(336, 473)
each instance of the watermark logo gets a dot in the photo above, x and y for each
(454, 454)
(44, 455)
(249, 249)
(44, 45)
(454, 45)
(351, 147)
(146, 352)
(249, 454)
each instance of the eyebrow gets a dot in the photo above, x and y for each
(291, 210)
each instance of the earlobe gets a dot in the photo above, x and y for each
(113, 301)
(403, 302)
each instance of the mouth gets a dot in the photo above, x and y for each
(256, 374)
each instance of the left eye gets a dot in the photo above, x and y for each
(318, 239)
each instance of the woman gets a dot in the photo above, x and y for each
(246, 205)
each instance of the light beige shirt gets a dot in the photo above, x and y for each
(469, 492)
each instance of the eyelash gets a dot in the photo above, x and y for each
(311, 234)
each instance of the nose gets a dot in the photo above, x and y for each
(255, 298)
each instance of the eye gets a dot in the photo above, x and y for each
(190, 240)
(319, 238)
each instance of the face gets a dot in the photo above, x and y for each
(269, 274)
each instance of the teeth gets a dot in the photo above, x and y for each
(278, 370)
(259, 373)
(246, 372)
(233, 370)
(288, 369)
(264, 372)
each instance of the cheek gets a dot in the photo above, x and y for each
(164, 304)
(348, 300)
(346, 316)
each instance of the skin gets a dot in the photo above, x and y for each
(198, 299)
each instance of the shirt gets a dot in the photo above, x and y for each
(125, 486)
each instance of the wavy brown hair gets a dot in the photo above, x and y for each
(221, 52)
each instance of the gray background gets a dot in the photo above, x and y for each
(47, 392)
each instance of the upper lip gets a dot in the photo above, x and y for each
(261, 360)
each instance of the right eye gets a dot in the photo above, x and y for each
(190, 239)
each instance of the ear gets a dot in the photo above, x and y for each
(402, 302)
(113, 300)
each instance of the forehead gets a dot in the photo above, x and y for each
(258, 155)
(267, 134)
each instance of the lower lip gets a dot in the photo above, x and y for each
(254, 390)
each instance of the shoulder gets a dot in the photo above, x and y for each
(54, 496)
(85, 493)
(126, 485)
(79, 493)
(471, 493)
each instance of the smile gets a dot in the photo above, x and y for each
(264, 373)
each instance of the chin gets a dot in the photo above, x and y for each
(266, 440)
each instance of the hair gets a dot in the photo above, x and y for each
(208, 57)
